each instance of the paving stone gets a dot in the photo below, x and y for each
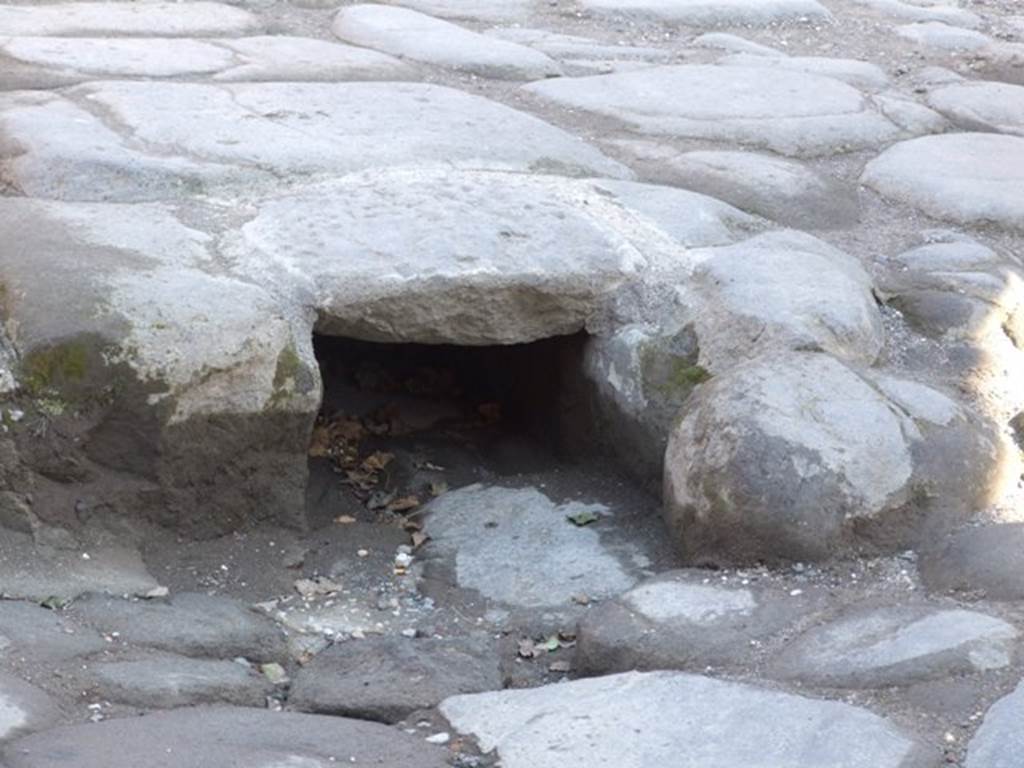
(169, 682)
(948, 13)
(999, 742)
(253, 133)
(575, 47)
(682, 619)
(966, 178)
(860, 74)
(191, 624)
(981, 106)
(936, 35)
(873, 648)
(205, 736)
(733, 44)
(778, 189)
(471, 10)
(419, 37)
(983, 560)
(39, 62)
(713, 12)
(525, 552)
(190, 19)
(792, 113)
(28, 630)
(388, 678)
(699, 723)
(24, 708)
(796, 456)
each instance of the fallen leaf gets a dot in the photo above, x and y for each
(419, 539)
(377, 460)
(436, 489)
(559, 666)
(344, 519)
(583, 517)
(552, 644)
(403, 504)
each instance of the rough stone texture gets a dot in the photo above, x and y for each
(713, 12)
(948, 13)
(165, 683)
(27, 630)
(472, 10)
(515, 546)
(872, 648)
(190, 624)
(191, 19)
(860, 74)
(388, 678)
(635, 719)
(24, 708)
(187, 137)
(984, 561)
(981, 106)
(966, 178)
(939, 36)
(44, 62)
(419, 37)
(799, 457)
(206, 736)
(681, 620)
(999, 742)
(792, 113)
(778, 189)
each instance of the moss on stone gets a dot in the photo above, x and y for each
(54, 368)
(288, 369)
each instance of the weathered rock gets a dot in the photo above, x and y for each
(573, 49)
(967, 178)
(671, 718)
(713, 12)
(191, 19)
(168, 682)
(937, 35)
(949, 13)
(985, 561)
(792, 113)
(24, 708)
(999, 742)
(733, 44)
(471, 10)
(981, 106)
(41, 62)
(681, 620)
(27, 630)
(190, 624)
(873, 648)
(517, 547)
(778, 189)
(416, 36)
(205, 736)
(798, 457)
(187, 137)
(860, 74)
(388, 678)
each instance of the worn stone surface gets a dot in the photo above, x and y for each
(981, 106)
(42, 62)
(778, 189)
(191, 624)
(999, 742)
(24, 708)
(169, 682)
(472, 10)
(896, 646)
(412, 35)
(28, 630)
(608, 720)
(387, 678)
(860, 74)
(760, 468)
(984, 561)
(681, 620)
(966, 178)
(941, 36)
(713, 12)
(203, 736)
(124, 19)
(948, 13)
(250, 133)
(754, 106)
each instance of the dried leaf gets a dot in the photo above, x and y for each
(403, 504)
(377, 461)
(436, 489)
(419, 539)
(344, 519)
(559, 666)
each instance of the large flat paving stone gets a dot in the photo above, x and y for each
(122, 141)
(966, 178)
(387, 678)
(713, 12)
(871, 648)
(999, 742)
(191, 624)
(221, 736)
(792, 113)
(946, 12)
(416, 36)
(28, 630)
(677, 719)
(190, 19)
(985, 561)
(471, 10)
(981, 106)
(43, 62)
(168, 682)
(24, 708)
